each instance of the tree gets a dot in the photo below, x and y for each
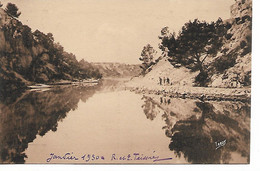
(12, 10)
(147, 56)
(194, 44)
(27, 36)
(46, 40)
(199, 40)
(167, 39)
(169, 45)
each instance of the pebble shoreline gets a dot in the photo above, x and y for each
(201, 93)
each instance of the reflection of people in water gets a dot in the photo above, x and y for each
(168, 81)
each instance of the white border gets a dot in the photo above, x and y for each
(255, 132)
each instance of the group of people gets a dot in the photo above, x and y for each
(164, 81)
(165, 101)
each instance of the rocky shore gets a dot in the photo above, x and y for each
(202, 93)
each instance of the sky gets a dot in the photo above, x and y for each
(114, 30)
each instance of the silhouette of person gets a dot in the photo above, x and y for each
(168, 81)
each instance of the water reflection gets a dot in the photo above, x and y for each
(150, 107)
(194, 127)
(191, 127)
(28, 114)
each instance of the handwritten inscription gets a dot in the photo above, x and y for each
(92, 157)
(137, 156)
(113, 157)
(72, 157)
(66, 156)
(220, 144)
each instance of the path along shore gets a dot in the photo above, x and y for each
(202, 93)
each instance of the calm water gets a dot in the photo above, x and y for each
(107, 122)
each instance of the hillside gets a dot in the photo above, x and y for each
(163, 69)
(229, 68)
(28, 57)
(228, 73)
(117, 69)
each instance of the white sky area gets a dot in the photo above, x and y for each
(114, 30)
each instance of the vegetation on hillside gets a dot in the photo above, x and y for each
(210, 48)
(197, 41)
(12, 10)
(28, 57)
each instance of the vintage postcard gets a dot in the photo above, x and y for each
(125, 81)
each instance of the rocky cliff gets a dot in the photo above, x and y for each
(232, 66)
(28, 57)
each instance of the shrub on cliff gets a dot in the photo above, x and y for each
(12, 10)
(27, 36)
(43, 39)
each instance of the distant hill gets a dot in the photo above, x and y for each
(117, 69)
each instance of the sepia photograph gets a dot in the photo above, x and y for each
(125, 82)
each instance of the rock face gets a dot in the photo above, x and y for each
(232, 66)
(241, 8)
(27, 57)
(117, 69)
